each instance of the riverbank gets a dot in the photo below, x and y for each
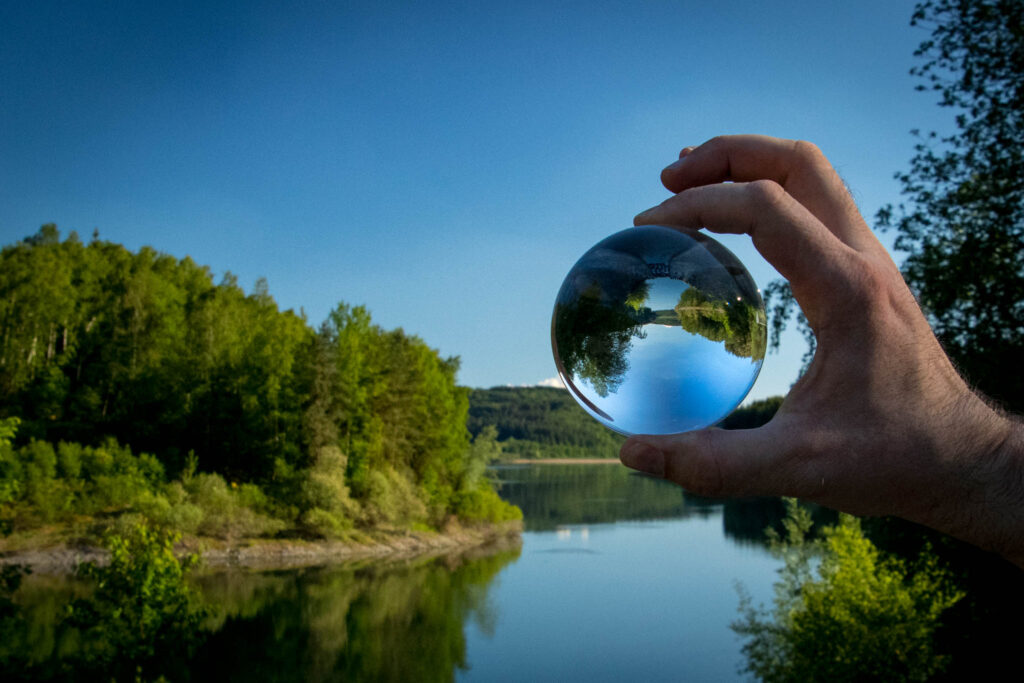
(266, 554)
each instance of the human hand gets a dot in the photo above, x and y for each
(881, 423)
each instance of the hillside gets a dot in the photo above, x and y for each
(544, 422)
(540, 422)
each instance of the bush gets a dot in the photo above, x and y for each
(321, 523)
(856, 615)
(224, 514)
(392, 498)
(484, 505)
(143, 619)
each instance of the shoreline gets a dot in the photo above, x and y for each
(272, 554)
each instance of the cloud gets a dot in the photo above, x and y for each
(555, 382)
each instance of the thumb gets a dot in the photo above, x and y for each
(715, 462)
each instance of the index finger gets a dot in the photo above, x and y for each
(799, 167)
(816, 263)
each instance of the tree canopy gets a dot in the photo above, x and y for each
(343, 426)
(962, 224)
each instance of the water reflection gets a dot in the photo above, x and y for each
(360, 622)
(553, 497)
(397, 623)
(603, 545)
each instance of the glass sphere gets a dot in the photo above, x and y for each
(658, 330)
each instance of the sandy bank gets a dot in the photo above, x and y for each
(392, 545)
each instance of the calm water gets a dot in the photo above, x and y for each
(619, 577)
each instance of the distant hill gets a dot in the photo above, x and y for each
(540, 422)
(544, 422)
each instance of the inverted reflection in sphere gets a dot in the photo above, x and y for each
(658, 331)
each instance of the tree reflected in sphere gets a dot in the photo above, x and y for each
(658, 330)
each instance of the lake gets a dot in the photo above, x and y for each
(619, 577)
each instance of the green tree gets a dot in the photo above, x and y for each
(844, 611)
(143, 620)
(352, 425)
(963, 222)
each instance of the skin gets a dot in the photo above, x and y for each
(881, 423)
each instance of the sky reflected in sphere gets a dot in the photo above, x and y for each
(658, 331)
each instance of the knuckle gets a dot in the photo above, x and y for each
(766, 192)
(719, 143)
(868, 283)
(808, 152)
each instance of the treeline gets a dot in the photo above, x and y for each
(103, 349)
(540, 422)
(545, 422)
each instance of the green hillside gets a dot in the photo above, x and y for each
(544, 422)
(540, 422)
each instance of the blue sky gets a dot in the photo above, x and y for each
(442, 163)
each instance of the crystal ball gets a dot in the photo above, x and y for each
(658, 330)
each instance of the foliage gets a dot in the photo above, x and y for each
(963, 223)
(142, 619)
(544, 422)
(328, 509)
(230, 512)
(115, 489)
(104, 351)
(539, 422)
(845, 611)
(753, 415)
(740, 325)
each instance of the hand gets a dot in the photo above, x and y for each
(881, 423)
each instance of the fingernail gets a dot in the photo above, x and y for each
(682, 158)
(643, 217)
(643, 457)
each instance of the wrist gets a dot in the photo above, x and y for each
(990, 511)
(1006, 504)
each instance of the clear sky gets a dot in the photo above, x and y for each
(442, 163)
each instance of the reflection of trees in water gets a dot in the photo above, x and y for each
(604, 303)
(371, 622)
(552, 495)
(745, 520)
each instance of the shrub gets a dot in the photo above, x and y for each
(844, 611)
(224, 514)
(143, 619)
(324, 524)
(327, 508)
(392, 498)
(485, 505)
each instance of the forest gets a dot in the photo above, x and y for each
(134, 386)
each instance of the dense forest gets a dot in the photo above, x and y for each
(131, 382)
(544, 422)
